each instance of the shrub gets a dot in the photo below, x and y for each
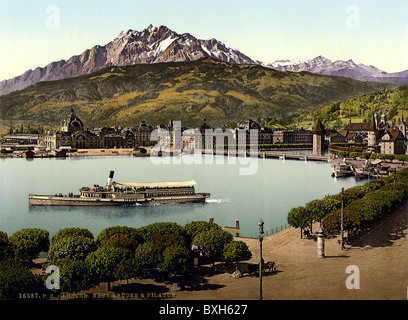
(401, 157)
(237, 251)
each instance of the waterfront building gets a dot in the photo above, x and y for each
(379, 136)
(265, 135)
(392, 141)
(142, 135)
(21, 139)
(292, 136)
(73, 134)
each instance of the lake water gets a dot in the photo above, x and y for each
(267, 191)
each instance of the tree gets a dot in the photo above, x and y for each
(75, 275)
(74, 248)
(72, 232)
(299, 218)
(160, 228)
(105, 234)
(318, 209)
(28, 243)
(237, 251)
(212, 243)
(15, 278)
(149, 255)
(195, 227)
(122, 240)
(5, 247)
(176, 259)
(102, 262)
(166, 240)
(127, 269)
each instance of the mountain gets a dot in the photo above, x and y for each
(348, 69)
(219, 91)
(151, 45)
(160, 44)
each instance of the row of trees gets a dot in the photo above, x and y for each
(362, 205)
(117, 253)
(371, 155)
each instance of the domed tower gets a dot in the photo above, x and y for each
(318, 137)
(72, 123)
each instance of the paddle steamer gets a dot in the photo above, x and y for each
(124, 193)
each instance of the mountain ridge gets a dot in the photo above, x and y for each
(348, 69)
(221, 92)
(151, 45)
(161, 44)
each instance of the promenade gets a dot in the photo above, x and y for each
(381, 258)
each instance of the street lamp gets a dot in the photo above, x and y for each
(261, 234)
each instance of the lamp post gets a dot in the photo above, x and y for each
(341, 225)
(261, 234)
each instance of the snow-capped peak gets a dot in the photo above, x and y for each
(322, 65)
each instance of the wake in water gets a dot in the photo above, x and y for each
(217, 200)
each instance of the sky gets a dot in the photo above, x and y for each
(34, 33)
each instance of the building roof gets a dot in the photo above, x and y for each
(249, 124)
(21, 136)
(72, 121)
(347, 134)
(155, 184)
(362, 126)
(391, 135)
(319, 128)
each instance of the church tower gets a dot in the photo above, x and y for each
(402, 126)
(318, 138)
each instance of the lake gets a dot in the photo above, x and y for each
(259, 189)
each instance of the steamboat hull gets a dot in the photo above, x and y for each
(124, 194)
(38, 200)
